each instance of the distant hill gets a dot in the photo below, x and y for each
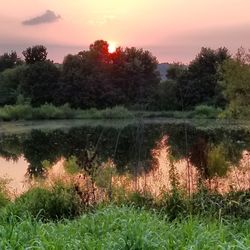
(162, 68)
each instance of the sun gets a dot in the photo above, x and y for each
(112, 47)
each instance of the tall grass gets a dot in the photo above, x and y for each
(124, 228)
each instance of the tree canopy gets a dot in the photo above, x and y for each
(9, 61)
(236, 83)
(35, 54)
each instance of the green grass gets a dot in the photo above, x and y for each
(49, 111)
(124, 228)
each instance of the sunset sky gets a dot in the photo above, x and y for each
(173, 30)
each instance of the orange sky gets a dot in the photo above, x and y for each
(174, 30)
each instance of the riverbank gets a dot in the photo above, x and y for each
(48, 111)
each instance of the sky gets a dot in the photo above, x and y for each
(173, 30)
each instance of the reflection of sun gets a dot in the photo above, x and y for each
(112, 47)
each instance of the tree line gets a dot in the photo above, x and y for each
(129, 77)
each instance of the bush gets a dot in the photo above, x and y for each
(204, 111)
(49, 111)
(140, 200)
(116, 112)
(60, 201)
(16, 112)
(174, 204)
(238, 204)
(231, 205)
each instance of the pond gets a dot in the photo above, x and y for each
(151, 153)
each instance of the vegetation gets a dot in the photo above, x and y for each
(124, 228)
(236, 78)
(49, 111)
(54, 203)
(95, 78)
(4, 195)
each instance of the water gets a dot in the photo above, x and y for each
(147, 151)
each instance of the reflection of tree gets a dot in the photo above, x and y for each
(129, 148)
(10, 147)
(38, 147)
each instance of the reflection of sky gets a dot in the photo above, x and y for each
(172, 30)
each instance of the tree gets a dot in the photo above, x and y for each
(236, 84)
(199, 83)
(35, 54)
(40, 82)
(9, 61)
(97, 78)
(10, 81)
(135, 75)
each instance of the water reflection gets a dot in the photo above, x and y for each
(144, 151)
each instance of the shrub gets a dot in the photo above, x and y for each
(16, 112)
(60, 201)
(116, 112)
(204, 111)
(174, 204)
(238, 204)
(139, 199)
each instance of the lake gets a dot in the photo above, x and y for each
(150, 153)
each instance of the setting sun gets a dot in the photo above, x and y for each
(112, 47)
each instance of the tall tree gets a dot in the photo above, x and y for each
(35, 54)
(40, 82)
(97, 78)
(236, 84)
(9, 60)
(199, 83)
(10, 81)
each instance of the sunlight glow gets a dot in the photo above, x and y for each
(112, 47)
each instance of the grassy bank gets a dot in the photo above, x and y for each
(62, 216)
(124, 228)
(48, 111)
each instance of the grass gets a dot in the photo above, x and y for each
(49, 111)
(59, 216)
(124, 228)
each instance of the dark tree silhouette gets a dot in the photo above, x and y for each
(35, 54)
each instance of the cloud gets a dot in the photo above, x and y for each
(48, 17)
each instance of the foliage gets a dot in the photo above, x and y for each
(125, 228)
(40, 82)
(4, 194)
(10, 81)
(174, 204)
(207, 112)
(216, 161)
(96, 78)
(212, 204)
(236, 84)
(198, 84)
(55, 203)
(35, 54)
(9, 61)
(71, 166)
(27, 112)
(16, 112)
(166, 96)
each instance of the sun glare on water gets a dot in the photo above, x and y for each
(112, 47)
